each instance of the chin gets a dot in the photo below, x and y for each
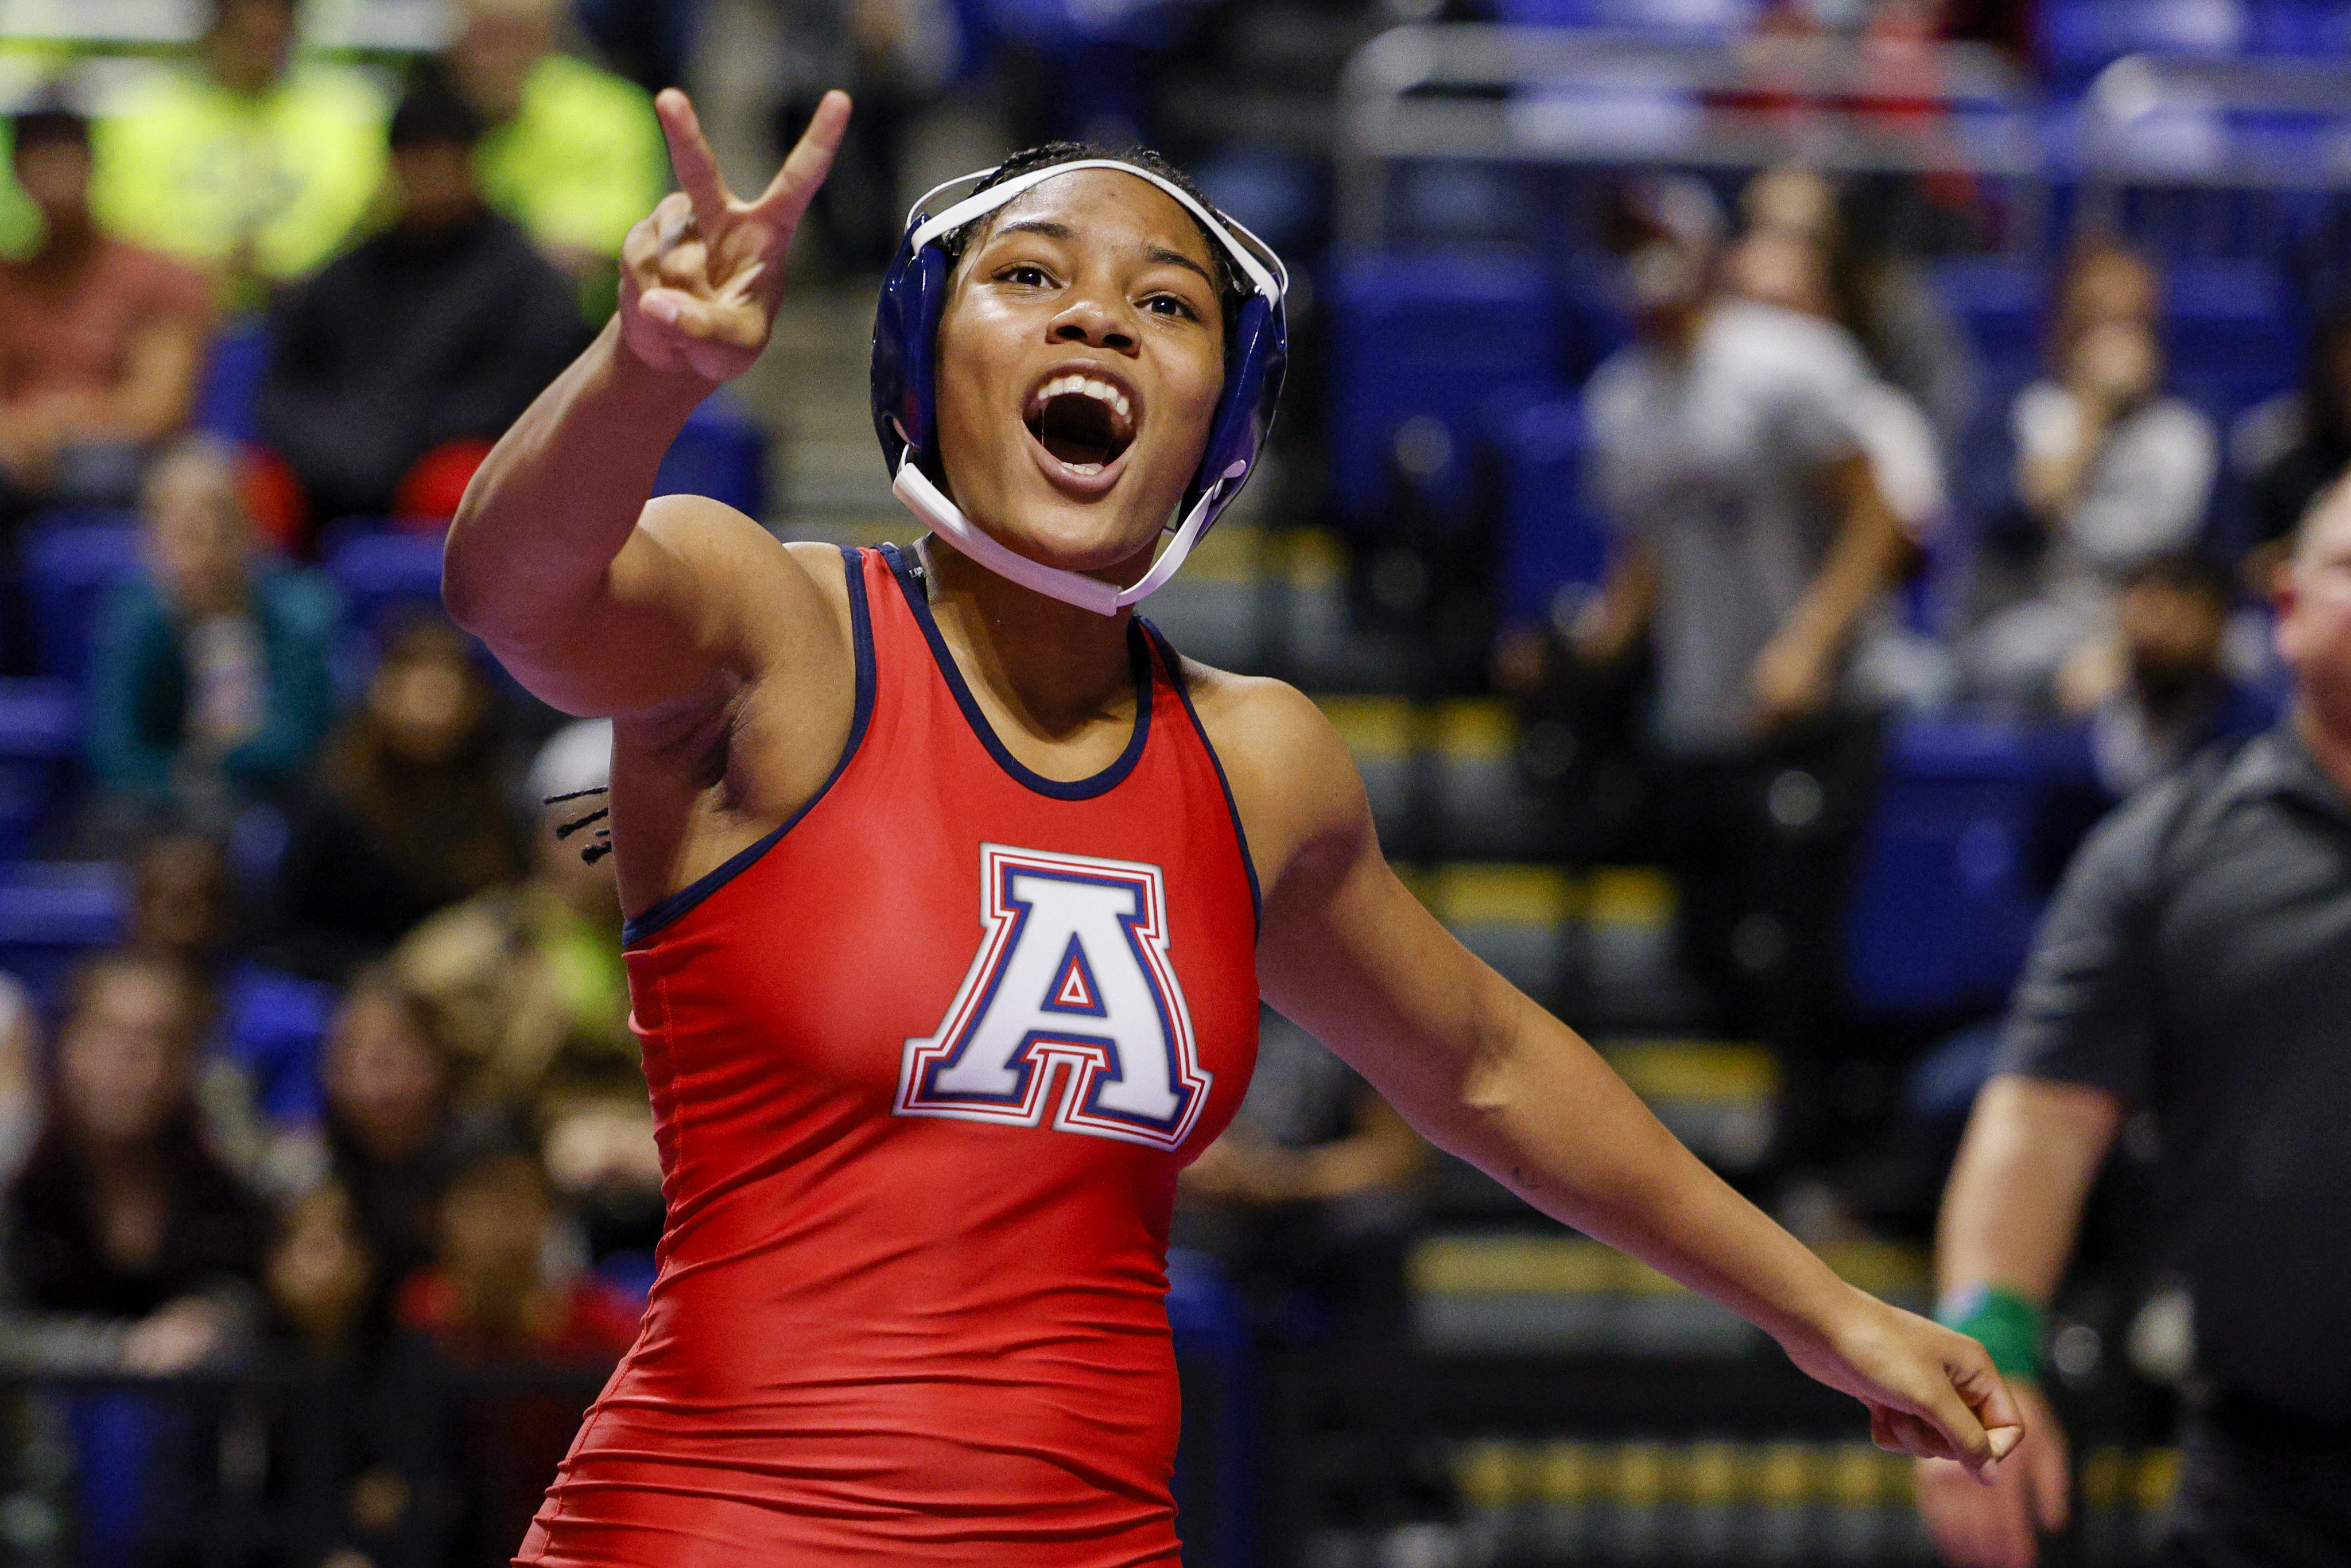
(1077, 537)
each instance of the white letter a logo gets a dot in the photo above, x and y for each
(1073, 972)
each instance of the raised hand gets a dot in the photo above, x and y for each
(701, 278)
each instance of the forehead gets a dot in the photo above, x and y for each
(1107, 207)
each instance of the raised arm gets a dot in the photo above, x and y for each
(598, 601)
(1348, 953)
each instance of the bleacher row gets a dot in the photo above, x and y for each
(1456, 378)
(2074, 39)
(1719, 1501)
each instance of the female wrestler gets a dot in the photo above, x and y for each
(952, 895)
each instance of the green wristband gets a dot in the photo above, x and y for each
(2005, 1323)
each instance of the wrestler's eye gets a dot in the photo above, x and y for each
(1027, 275)
(1173, 305)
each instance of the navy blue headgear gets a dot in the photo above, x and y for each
(906, 337)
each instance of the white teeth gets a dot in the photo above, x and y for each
(1087, 469)
(1101, 392)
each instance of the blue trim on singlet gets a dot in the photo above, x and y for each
(1169, 658)
(861, 622)
(1102, 783)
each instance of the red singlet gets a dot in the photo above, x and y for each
(925, 1063)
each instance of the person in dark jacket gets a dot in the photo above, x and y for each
(432, 337)
(208, 685)
(411, 815)
(130, 1242)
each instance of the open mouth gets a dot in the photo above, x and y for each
(1086, 422)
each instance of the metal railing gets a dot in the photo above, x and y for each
(1574, 97)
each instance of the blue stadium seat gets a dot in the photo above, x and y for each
(386, 577)
(1551, 536)
(1696, 19)
(2234, 333)
(1944, 903)
(2317, 27)
(1429, 335)
(720, 454)
(52, 912)
(70, 561)
(2077, 37)
(1217, 1462)
(229, 392)
(2002, 304)
(38, 732)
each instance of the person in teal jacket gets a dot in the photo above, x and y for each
(208, 688)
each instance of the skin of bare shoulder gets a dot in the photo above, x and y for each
(706, 772)
(1293, 781)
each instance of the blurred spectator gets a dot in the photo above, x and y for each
(891, 55)
(99, 340)
(391, 1132)
(1313, 1185)
(130, 1242)
(1874, 291)
(2296, 445)
(322, 1274)
(435, 334)
(2110, 473)
(409, 815)
(1754, 547)
(571, 153)
(527, 985)
(1308, 1199)
(2170, 693)
(20, 1062)
(489, 1297)
(208, 683)
(2195, 969)
(488, 1291)
(242, 157)
(1776, 262)
(183, 909)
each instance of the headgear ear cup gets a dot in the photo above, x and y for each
(906, 337)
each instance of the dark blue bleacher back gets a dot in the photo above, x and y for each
(720, 454)
(230, 387)
(386, 577)
(1705, 20)
(2077, 37)
(70, 562)
(2233, 333)
(38, 736)
(1435, 334)
(52, 915)
(1552, 537)
(2310, 27)
(1944, 903)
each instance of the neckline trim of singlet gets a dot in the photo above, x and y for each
(651, 920)
(1103, 783)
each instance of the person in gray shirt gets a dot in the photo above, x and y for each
(2196, 965)
(1754, 545)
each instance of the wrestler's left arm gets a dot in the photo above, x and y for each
(1348, 953)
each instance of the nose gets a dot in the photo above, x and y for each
(1089, 322)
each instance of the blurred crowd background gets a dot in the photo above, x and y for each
(318, 1099)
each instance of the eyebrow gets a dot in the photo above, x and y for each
(1157, 253)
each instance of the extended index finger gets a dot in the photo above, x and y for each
(795, 184)
(690, 155)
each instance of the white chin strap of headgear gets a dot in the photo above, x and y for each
(930, 504)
